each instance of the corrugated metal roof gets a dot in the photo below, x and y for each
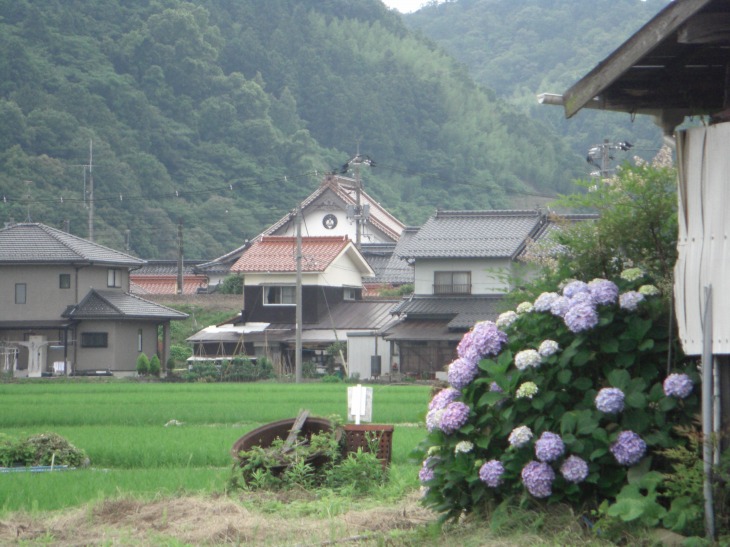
(119, 305)
(473, 234)
(34, 243)
(484, 306)
(422, 330)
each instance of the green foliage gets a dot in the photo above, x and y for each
(155, 367)
(236, 370)
(143, 365)
(625, 349)
(40, 449)
(232, 284)
(180, 353)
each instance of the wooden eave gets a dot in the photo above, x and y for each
(678, 62)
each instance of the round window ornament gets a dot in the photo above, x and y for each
(329, 221)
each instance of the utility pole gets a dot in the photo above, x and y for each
(180, 257)
(91, 192)
(298, 300)
(602, 154)
(361, 213)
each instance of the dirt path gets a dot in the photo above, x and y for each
(206, 521)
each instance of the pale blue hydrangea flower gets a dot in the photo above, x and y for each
(630, 300)
(548, 348)
(677, 385)
(491, 472)
(527, 390)
(649, 290)
(527, 358)
(506, 319)
(582, 298)
(549, 447)
(574, 469)
(433, 419)
(461, 373)
(538, 478)
(575, 287)
(524, 307)
(610, 400)
(628, 449)
(632, 274)
(603, 291)
(463, 447)
(426, 472)
(560, 306)
(520, 436)
(545, 300)
(443, 398)
(454, 416)
(581, 317)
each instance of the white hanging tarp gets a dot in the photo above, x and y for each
(703, 158)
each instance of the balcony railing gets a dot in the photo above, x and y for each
(459, 288)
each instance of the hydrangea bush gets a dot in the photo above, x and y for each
(558, 400)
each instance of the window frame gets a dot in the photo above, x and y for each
(21, 293)
(95, 339)
(64, 281)
(114, 278)
(439, 287)
(349, 294)
(267, 289)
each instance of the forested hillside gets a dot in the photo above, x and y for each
(521, 48)
(223, 114)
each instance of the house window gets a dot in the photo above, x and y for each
(114, 278)
(139, 340)
(94, 340)
(349, 293)
(452, 283)
(274, 296)
(20, 293)
(64, 281)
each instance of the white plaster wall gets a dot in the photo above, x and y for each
(488, 276)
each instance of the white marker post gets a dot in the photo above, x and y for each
(360, 404)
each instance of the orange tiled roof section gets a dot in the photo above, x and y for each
(165, 284)
(278, 254)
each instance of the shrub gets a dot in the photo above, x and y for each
(155, 366)
(180, 353)
(41, 449)
(558, 400)
(232, 284)
(143, 365)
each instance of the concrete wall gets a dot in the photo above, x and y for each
(360, 348)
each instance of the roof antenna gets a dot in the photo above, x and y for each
(27, 197)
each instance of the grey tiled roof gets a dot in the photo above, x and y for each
(119, 305)
(33, 243)
(473, 234)
(385, 260)
(167, 267)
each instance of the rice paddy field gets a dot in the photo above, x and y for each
(129, 432)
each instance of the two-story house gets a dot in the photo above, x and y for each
(464, 262)
(332, 272)
(65, 306)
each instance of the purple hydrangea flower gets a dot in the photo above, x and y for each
(494, 386)
(426, 472)
(462, 372)
(628, 449)
(677, 385)
(482, 340)
(630, 300)
(538, 478)
(603, 291)
(443, 398)
(581, 317)
(545, 300)
(455, 415)
(575, 287)
(548, 348)
(574, 469)
(560, 306)
(549, 447)
(582, 298)
(491, 473)
(520, 436)
(527, 358)
(610, 400)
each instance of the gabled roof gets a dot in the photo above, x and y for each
(473, 234)
(165, 284)
(118, 305)
(674, 66)
(277, 254)
(385, 260)
(33, 243)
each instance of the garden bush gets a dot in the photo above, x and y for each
(561, 400)
(155, 366)
(143, 365)
(236, 370)
(40, 449)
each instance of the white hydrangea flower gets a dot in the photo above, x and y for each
(525, 307)
(520, 436)
(527, 358)
(462, 447)
(548, 348)
(506, 319)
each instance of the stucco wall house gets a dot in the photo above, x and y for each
(65, 306)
